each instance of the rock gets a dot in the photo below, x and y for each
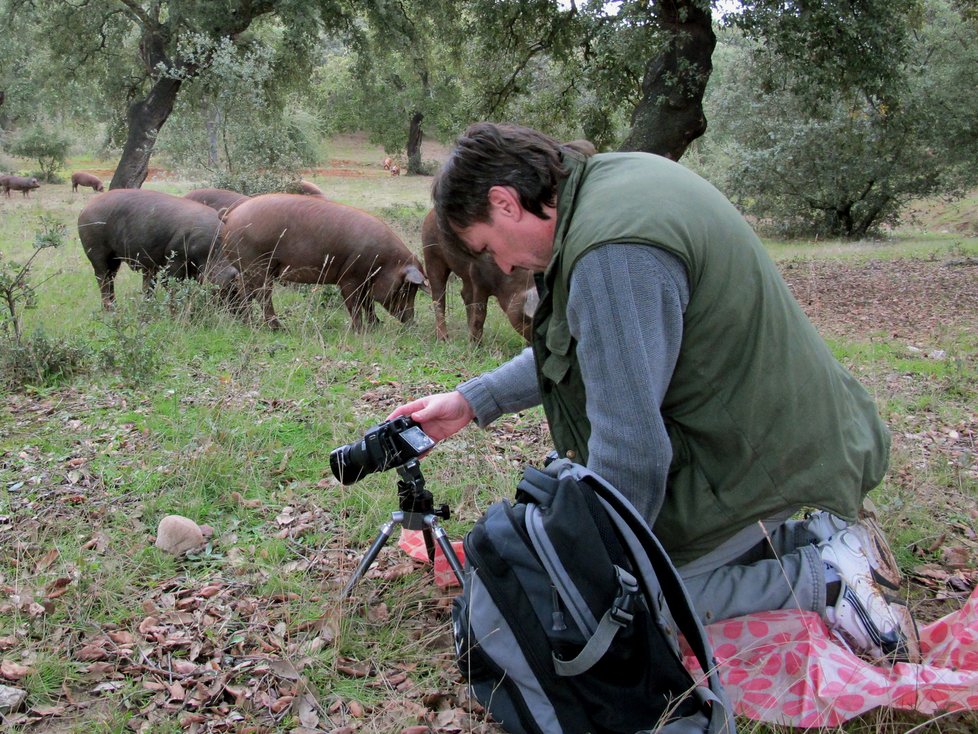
(179, 535)
(11, 699)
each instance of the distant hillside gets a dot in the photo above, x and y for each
(937, 215)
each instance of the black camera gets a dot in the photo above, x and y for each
(386, 445)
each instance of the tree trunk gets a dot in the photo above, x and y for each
(146, 117)
(213, 125)
(670, 114)
(415, 134)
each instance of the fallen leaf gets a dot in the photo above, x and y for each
(91, 652)
(48, 710)
(121, 637)
(47, 559)
(355, 670)
(57, 588)
(308, 711)
(13, 671)
(280, 704)
(176, 691)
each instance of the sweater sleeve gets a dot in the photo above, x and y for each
(509, 388)
(625, 310)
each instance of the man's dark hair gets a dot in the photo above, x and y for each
(489, 154)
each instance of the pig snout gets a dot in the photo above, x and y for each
(401, 303)
(224, 275)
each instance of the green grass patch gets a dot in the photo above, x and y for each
(178, 408)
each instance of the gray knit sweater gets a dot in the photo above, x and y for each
(625, 310)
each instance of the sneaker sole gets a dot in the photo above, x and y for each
(883, 563)
(909, 652)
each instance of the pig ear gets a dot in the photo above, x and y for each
(413, 275)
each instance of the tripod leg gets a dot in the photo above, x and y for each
(446, 548)
(382, 537)
(429, 543)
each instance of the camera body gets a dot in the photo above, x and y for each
(391, 443)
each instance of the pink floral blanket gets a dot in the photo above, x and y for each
(784, 667)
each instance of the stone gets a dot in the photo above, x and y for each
(11, 699)
(178, 535)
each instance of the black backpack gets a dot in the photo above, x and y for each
(569, 617)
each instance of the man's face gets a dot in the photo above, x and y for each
(513, 237)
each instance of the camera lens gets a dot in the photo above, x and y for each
(384, 446)
(351, 463)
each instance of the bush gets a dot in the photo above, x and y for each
(39, 361)
(49, 149)
(129, 347)
(257, 181)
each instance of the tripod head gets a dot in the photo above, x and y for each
(414, 500)
(417, 512)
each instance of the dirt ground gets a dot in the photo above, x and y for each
(909, 299)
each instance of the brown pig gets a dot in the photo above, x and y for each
(221, 200)
(481, 278)
(19, 183)
(309, 239)
(310, 189)
(80, 178)
(152, 231)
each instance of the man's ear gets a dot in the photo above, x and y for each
(505, 202)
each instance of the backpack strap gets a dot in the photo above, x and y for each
(618, 616)
(634, 529)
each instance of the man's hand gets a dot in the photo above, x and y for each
(440, 416)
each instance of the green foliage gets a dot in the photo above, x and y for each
(39, 360)
(129, 346)
(236, 122)
(847, 164)
(33, 358)
(16, 290)
(47, 147)
(817, 49)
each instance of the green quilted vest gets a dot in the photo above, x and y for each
(761, 416)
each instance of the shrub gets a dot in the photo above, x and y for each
(48, 148)
(16, 290)
(254, 182)
(128, 346)
(40, 361)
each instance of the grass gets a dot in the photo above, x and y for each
(193, 413)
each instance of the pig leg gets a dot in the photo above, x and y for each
(475, 299)
(264, 296)
(519, 315)
(241, 295)
(356, 296)
(438, 273)
(105, 276)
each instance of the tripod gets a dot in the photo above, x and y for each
(417, 512)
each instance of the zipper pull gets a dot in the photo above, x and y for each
(557, 616)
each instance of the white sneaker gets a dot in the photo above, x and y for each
(824, 525)
(869, 623)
